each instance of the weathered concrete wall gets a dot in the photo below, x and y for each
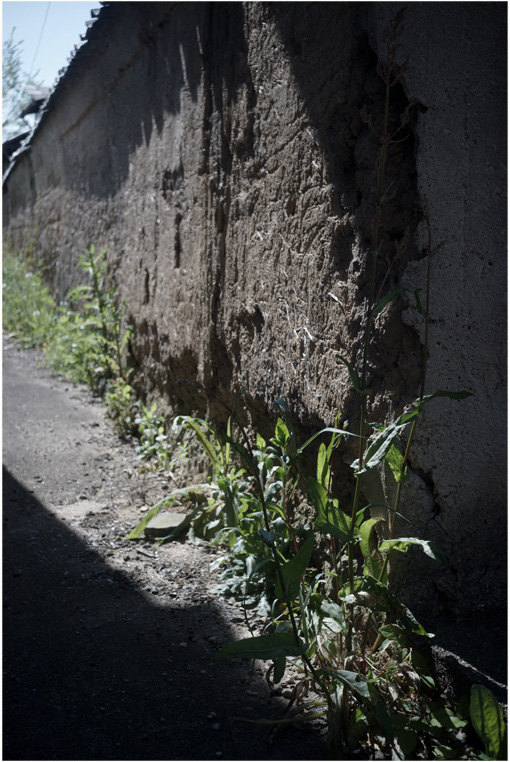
(218, 151)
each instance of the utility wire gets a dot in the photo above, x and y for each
(40, 38)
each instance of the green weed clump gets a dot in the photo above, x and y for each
(28, 310)
(83, 337)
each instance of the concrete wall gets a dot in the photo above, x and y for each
(218, 151)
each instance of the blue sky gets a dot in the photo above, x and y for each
(49, 31)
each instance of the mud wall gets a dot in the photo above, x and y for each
(219, 152)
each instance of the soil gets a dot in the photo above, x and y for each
(108, 643)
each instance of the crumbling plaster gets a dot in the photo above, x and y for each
(217, 150)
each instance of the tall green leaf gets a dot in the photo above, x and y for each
(378, 448)
(395, 460)
(354, 376)
(353, 681)
(373, 560)
(293, 571)
(381, 304)
(404, 543)
(263, 647)
(442, 393)
(488, 721)
(330, 519)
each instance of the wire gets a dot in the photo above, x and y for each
(40, 38)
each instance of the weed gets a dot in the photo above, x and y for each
(83, 337)
(28, 308)
(120, 401)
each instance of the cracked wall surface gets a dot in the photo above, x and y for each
(218, 150)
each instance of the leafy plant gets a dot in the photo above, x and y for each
(28, 308)
(99, 353)
(120, 400)
(488, 721)
(14, 99)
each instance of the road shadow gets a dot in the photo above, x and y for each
(93, 670)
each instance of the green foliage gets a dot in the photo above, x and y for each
(14, 99)
(488, 721)
(120, 400)
(82, 338)
(28, 310)
(154, 445)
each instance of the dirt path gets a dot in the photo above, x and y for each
(108, 645)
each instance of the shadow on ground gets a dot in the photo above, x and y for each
(93, 670)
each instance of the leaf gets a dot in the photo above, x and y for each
(196, 425)
(293, 571)
(395, 633)
(488, 721)
(381, 304)
(419, 305)
(263, 647)
(341, 432)
(353, 681)
(373, 560)
(385, 600)
(377, 450)
(404, 543)
(279, 669)
(333, 611)
(283, 406)
(354, 376)
(137, 531)
(407, 740)
(395, 460)
(281, 433)
(330, 519)
(261, 442)
(366, 533)
(269, 538)
(442, 393)
(241, 449)
(322, 466)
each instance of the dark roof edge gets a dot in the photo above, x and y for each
(75, 56)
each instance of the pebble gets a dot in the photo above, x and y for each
(216, 726)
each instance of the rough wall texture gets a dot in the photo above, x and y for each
(218, 151)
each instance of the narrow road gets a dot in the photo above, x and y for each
(108, 645)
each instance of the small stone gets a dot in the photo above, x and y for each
(163, 523)
(211, 715)
(183, 645)
(216, 726)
